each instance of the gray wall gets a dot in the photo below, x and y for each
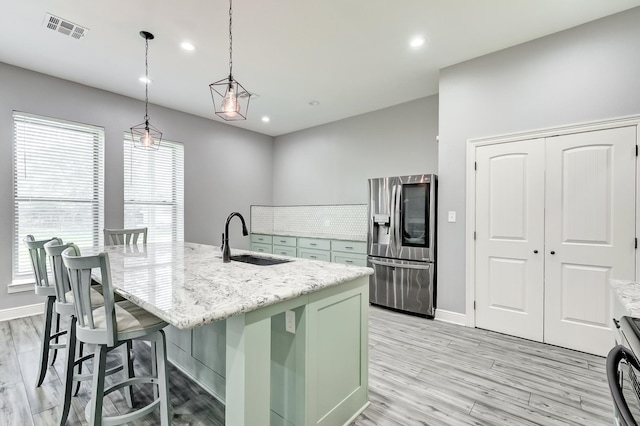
(226, 168)
(330, 164)
(587, 73)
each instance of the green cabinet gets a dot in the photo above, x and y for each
(337, 251)
(261, 243)
(349, 252)
(285, 246)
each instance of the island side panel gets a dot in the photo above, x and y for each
(200, 353)
(337, 353)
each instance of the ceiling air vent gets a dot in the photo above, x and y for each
(64, 26)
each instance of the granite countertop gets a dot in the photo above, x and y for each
(188, 285)
(629, 294)
(343, 237)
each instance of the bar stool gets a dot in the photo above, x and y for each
(128, 236)
(110, 326)
(44, 288)
(64, 305)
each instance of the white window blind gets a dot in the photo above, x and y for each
(154, 190)
(58, 184)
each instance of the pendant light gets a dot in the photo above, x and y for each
(230, 99)
(144, 135)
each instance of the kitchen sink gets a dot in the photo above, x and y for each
(257, 260)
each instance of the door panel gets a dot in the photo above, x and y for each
(509, 229)
(589, 233)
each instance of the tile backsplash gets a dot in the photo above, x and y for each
(347, 222)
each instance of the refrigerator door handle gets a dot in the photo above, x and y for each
(396, 234)
(393, 225)
(401, 266)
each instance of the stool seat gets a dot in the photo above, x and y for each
(47, 291)
(131, 319)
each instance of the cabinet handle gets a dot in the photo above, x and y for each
(348, 248)
(312, 256)
(535, 251)
(348, 261)
(312, 244)
(283, 241)
(553, 252)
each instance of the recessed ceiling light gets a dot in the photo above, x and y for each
(266, 119)
(314, 103)
(417, 42)
(187, 46)
(144, 79)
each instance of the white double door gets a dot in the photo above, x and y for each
(555, 220)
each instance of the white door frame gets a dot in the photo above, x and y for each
(472, 144)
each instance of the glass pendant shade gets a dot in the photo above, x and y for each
(146, 136)
(230, 99)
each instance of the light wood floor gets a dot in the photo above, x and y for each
(422, 372)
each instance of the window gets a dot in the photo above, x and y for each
(58, 184)
(154, 190)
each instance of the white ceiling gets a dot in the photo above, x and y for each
(353, 56)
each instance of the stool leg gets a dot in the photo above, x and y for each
(79, 367)
(68, 369)
(163, 379)
(57, 329)
(154, 366)
(127, 365)
(97, 394)
(46, 338)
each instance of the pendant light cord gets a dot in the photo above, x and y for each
(230, 42)
(146, 81)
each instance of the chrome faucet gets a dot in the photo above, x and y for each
(226, 253)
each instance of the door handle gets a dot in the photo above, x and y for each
(400, 266)
(553, 252)
(535, 251)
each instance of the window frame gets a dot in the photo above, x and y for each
(22, 142)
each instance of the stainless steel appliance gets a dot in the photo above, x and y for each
(402, 242)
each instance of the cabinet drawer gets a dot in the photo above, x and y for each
(349, 246)
(260, 238)
(284, 250)
(314, 254)
(262, 248)
(314, 243)
(349, 259)
(284, 241)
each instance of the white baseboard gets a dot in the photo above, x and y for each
(451, 317)
(21, 311)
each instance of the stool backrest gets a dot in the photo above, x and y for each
(39, 259)
(79, 269)
(54, 249)
(114, 237)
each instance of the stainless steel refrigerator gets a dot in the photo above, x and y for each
(402, 243)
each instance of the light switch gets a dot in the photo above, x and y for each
(452, 216)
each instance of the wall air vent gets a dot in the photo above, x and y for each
(64, 26)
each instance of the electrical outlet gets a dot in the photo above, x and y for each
(452, 216)
(290, 321)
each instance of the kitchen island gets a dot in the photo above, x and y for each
(279, 344)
